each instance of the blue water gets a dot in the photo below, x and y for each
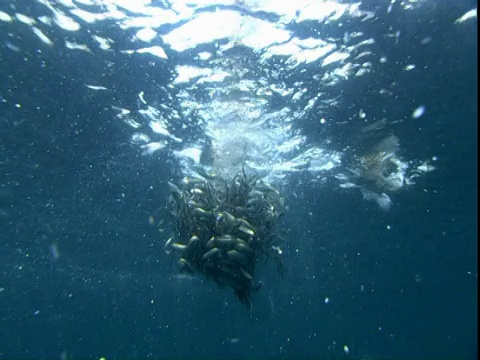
(388, 285)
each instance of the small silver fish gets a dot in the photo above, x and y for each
(246, 230)
(179, 246)
(193, 239)
(210, 253)
(237, 256)
(246, 274)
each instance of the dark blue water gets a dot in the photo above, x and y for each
(69, 178)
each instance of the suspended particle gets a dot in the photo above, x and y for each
(419, 111)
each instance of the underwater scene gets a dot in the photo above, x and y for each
(238, 179)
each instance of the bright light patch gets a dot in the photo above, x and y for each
(147, 34)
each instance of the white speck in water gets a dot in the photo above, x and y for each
(346, 349)
(234, 340)
(140, 96)
(426, 40)
(327, 300)
(419, 111)
(53, 249)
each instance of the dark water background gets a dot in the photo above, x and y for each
(69, 177)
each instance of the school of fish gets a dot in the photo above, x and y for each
(223, 228)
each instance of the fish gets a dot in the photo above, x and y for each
(230, 218)
(225, 240)
(204, 173)
(197, 191)
(224, 218)
(167, 245)
(210, 253)
(246, 230)
(174, 188)
(237, 256)
(177, 197)
(191, 181)
(242, 246)
(186, 265)
(194, 239)
(211, 242)
(246, 274)
(200, 211)
(245, 223)
(179, 246)
(195, 204)
(264, 187)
